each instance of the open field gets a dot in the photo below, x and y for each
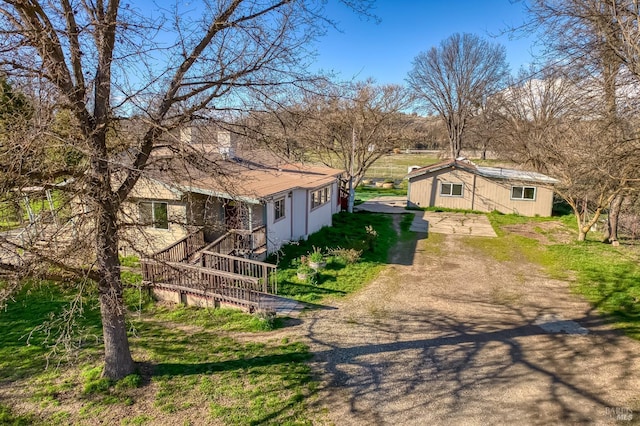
(395, 166)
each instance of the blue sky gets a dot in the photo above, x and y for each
(386, 49)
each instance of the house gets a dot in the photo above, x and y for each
(461, 184)
(255, 202)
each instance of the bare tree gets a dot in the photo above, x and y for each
(561, 127)
(530, 115)
(349, 127)
(453, 80)
(596, 40)
(104, 59)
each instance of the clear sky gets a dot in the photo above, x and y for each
(385, 50)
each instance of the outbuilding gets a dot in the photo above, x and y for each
(461, 184)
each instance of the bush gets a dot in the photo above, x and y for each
(347, 255)
(130, 261)
(371, 237)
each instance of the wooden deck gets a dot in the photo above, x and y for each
(188, 273)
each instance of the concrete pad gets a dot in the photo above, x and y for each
(476, 225)
(391, 205)
(438, 222)
(554, 323)
(282, 306)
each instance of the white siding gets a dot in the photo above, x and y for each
(321, 215)
(278, 232)
(300, 203)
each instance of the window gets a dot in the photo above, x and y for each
(320, 197)
(523, 193)
(451, 189)
(278, 209)
(154, 213)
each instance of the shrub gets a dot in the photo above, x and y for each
(371, 237)
(347, 255)
(267, 320)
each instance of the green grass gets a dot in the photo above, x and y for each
(130, 261)
(29, 325)
(219, 319)
(405, 226)
(8, 417)
(395, 166)
(609, 277)
(365, 193)
(190, 357)
(338, 278)
(13, 216)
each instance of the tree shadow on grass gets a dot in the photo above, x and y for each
(306, 292)
(188, 369)
(616, 293)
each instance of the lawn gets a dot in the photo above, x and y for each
(192, 367)
(339, 277)
(365, 193)
(195, 365)
(395, 166)
(14, 216)
(607, 276)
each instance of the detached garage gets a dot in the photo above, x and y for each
(461, 184)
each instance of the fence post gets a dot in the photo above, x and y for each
(265, 277)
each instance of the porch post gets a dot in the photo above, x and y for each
(251, 227)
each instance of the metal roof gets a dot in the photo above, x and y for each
(488, 172)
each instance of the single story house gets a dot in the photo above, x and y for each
(461, 184)
(211, 187)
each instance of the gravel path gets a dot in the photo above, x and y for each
(447, 335)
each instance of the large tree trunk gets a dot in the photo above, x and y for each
(118, 360)
(611, 235)
(582, 234)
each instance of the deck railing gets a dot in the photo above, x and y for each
(224, 244)
(218, 285)
(214, 272)
(239, 241)
(182, 249)
(264, 272)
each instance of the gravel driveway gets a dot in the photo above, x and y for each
(447, 335)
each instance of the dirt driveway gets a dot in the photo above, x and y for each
(447, 335)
